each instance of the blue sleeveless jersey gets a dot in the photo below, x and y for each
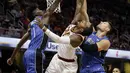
(36, 36)
(91, 58)
(29, 58)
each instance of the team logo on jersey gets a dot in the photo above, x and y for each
(90, 41)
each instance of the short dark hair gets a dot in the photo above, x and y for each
(87, 31)
(29, 11)
(110, 25)
(108, 20)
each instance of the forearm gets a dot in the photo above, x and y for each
(51, 9)
(14, 52)
(22, 41)
(89, 48)
(84, 5)
(56, 38)
(49, 12)
(44, 21)
(83, 10)
(77, 14)
(78, 6)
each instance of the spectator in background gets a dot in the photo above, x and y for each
(11, 3)
(127, 67)
(6, 23)
(116, 70)
(16, 11)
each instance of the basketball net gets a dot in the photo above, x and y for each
(50, 2)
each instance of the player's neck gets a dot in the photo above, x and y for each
(100, 34)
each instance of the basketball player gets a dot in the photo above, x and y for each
(65, 61)
(94, 48)
(36, 35)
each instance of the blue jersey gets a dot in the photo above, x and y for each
(30, 56)
(36, 36)
(91, 58)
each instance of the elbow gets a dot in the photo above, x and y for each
(58, 40)
(63, 40)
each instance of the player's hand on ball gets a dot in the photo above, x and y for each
(10, 61)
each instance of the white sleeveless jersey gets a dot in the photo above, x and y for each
(66, 50)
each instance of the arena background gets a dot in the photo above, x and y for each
(13, 24)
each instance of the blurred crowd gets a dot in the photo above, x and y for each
(117, 12)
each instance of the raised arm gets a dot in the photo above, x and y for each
(51, 9)
(77, 11)
(78, 7)
(49, 12)
(75, 40)
(81, 12)
(22, 41)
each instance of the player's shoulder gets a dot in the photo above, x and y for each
(77, 37)
(105, 41)
(76, 40)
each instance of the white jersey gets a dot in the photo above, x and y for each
(66, 50)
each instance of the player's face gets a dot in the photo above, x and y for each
(81, 26)
(116, 70)
(38, 12)
(103, 26)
